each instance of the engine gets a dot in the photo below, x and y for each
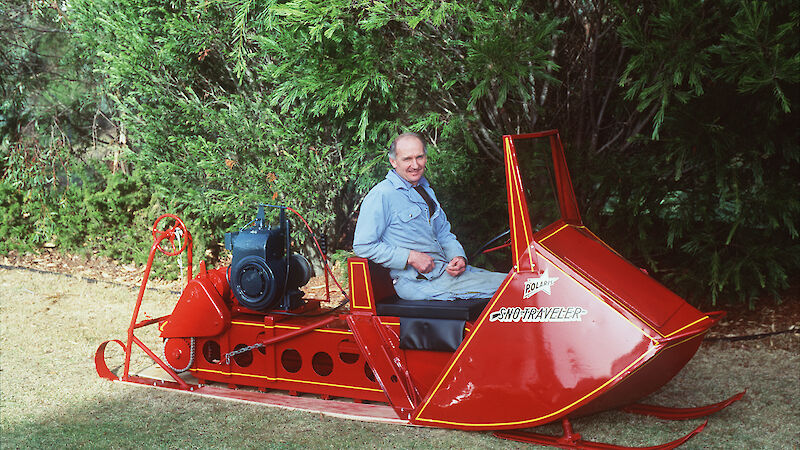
(265, 274)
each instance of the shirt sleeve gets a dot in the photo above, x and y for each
(373, 219)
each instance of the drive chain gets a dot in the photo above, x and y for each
(191, 357)
(240, 351)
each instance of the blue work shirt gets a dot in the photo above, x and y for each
(394, 219)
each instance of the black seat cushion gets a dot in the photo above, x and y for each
(442, 335)
(433, 309)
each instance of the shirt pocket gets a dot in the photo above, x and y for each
(406, 215)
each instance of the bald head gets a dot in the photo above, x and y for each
(405, 137)
(408, 156)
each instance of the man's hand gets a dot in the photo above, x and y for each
(420, 261)
(457, 266)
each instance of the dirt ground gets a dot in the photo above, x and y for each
(738, 328)
(107, 270)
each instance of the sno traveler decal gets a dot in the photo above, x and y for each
(534, 314)
(543, 283)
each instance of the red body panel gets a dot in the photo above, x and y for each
(630, 287)
(520, 369)
(324, 361)
(200, 312)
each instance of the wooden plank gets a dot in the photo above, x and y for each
(340, 408)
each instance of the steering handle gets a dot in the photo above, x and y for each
(170, 233)
(490, 242)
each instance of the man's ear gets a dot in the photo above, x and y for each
(394, 163)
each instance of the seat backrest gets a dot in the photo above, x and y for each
(382, 285)
(369, 283)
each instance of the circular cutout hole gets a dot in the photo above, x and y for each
(349, 358)
(349, 351)
(291, 360)
(243, 359)
(368, 372)
(322, 363)
(211, 352)
(394, 378)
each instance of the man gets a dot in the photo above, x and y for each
(401, 226)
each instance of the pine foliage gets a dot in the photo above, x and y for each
(679, 119)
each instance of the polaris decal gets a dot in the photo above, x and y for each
(534, 285)
(534, 314)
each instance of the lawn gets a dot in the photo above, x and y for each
(50, 395)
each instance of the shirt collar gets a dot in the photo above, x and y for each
(401, 183)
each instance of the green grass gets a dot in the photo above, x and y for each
(51, 396)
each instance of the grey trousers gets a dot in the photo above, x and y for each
(473, 283)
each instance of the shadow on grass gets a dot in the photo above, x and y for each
(138, 417)
(127, 416)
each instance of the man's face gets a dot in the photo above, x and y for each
(410, 159)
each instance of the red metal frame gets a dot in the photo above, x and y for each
(573, 440)
(158, 237)
(667, 413)
(574, 329)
